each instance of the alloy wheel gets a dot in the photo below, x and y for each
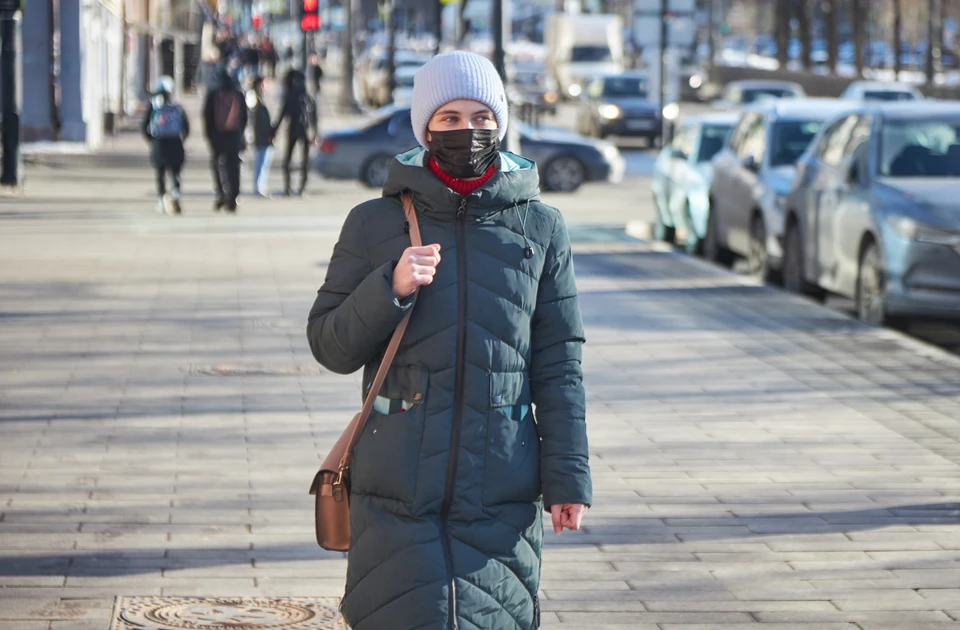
(871, 293)
(565, 174)
(375, 174)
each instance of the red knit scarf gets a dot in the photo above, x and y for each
(460, 186)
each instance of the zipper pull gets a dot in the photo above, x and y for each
(462, 210)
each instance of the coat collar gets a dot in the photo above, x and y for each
(516, 181)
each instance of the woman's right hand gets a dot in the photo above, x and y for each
(417, 267)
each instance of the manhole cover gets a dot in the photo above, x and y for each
(252, 369)
(227, 613)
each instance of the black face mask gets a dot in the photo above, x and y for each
(465, 153)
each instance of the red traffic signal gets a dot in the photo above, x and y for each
(310, 15)
(257, 22)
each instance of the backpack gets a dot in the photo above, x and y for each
(308, 111)
(226, 110)
(166, 121)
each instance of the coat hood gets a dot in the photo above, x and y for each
(516, 181)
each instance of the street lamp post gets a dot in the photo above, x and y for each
(9, 18)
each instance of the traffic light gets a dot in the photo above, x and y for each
(310, 15)
(257, 22)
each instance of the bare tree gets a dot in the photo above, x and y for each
(830, 27)
(782, 22)
(897, 34)
(931, 39)
(859, 27)
(803, 21)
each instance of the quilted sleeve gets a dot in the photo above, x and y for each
(556, 379)
(356, 310)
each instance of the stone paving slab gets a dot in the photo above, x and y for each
(759, 461)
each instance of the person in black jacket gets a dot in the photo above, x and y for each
(225, 119)
(166, 126)
(262, 140)
(300, 108)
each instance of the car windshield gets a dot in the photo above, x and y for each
(712, 140)
(921, 148)
(888, 95)
(758, 94)
(590, 53)
(791, 139)
(625, 86)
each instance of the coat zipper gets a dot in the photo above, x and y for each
(461, 230)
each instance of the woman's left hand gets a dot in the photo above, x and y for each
(567, 515)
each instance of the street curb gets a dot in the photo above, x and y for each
(644, 230)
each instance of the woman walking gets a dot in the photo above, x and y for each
(454, 466)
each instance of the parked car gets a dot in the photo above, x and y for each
(564, 159)
(739, 93)
(682, 174)
(374, 80)
(403, 84)
(881, 91)
(874, 213)
(618, 104)
(752, 175)
(528, 81)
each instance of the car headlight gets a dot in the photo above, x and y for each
(696, 81)
(574, 90)
(610, 152)
(911, 230)
(609, 111)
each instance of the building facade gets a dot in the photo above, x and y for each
(88, 63)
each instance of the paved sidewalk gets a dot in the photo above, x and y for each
(758, 460)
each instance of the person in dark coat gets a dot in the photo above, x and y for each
(225, 119)
(165, 125)
(300, 110)
(480, 425)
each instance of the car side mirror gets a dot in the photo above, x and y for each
(750, 163)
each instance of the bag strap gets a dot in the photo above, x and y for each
(414, 227)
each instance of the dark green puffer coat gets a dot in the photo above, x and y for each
(451, 474)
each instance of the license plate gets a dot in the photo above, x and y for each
(639, 124)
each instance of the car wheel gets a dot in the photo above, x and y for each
(712, 249)
(757, 263)
(693, 244)
(663, 232)
(792, 269)
(564, 174)
(374, 172)
(871, 296)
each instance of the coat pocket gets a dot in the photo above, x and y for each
(512, 463)
(387, 456)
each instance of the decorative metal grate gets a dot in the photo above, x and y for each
(227, 613)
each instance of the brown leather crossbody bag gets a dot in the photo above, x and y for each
(331, 483)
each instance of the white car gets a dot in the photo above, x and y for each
(681, 177)
(403, 84)
(880, 91)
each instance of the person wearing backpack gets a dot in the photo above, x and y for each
(262, 139)
(165, 126)
(300, 108)
(225, 119)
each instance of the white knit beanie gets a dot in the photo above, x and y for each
(452, 76)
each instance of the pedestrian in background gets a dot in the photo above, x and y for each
(316, 74)
(262, 139)
(481, 425)
(300, 110)
(225, 118)
(166, 126)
